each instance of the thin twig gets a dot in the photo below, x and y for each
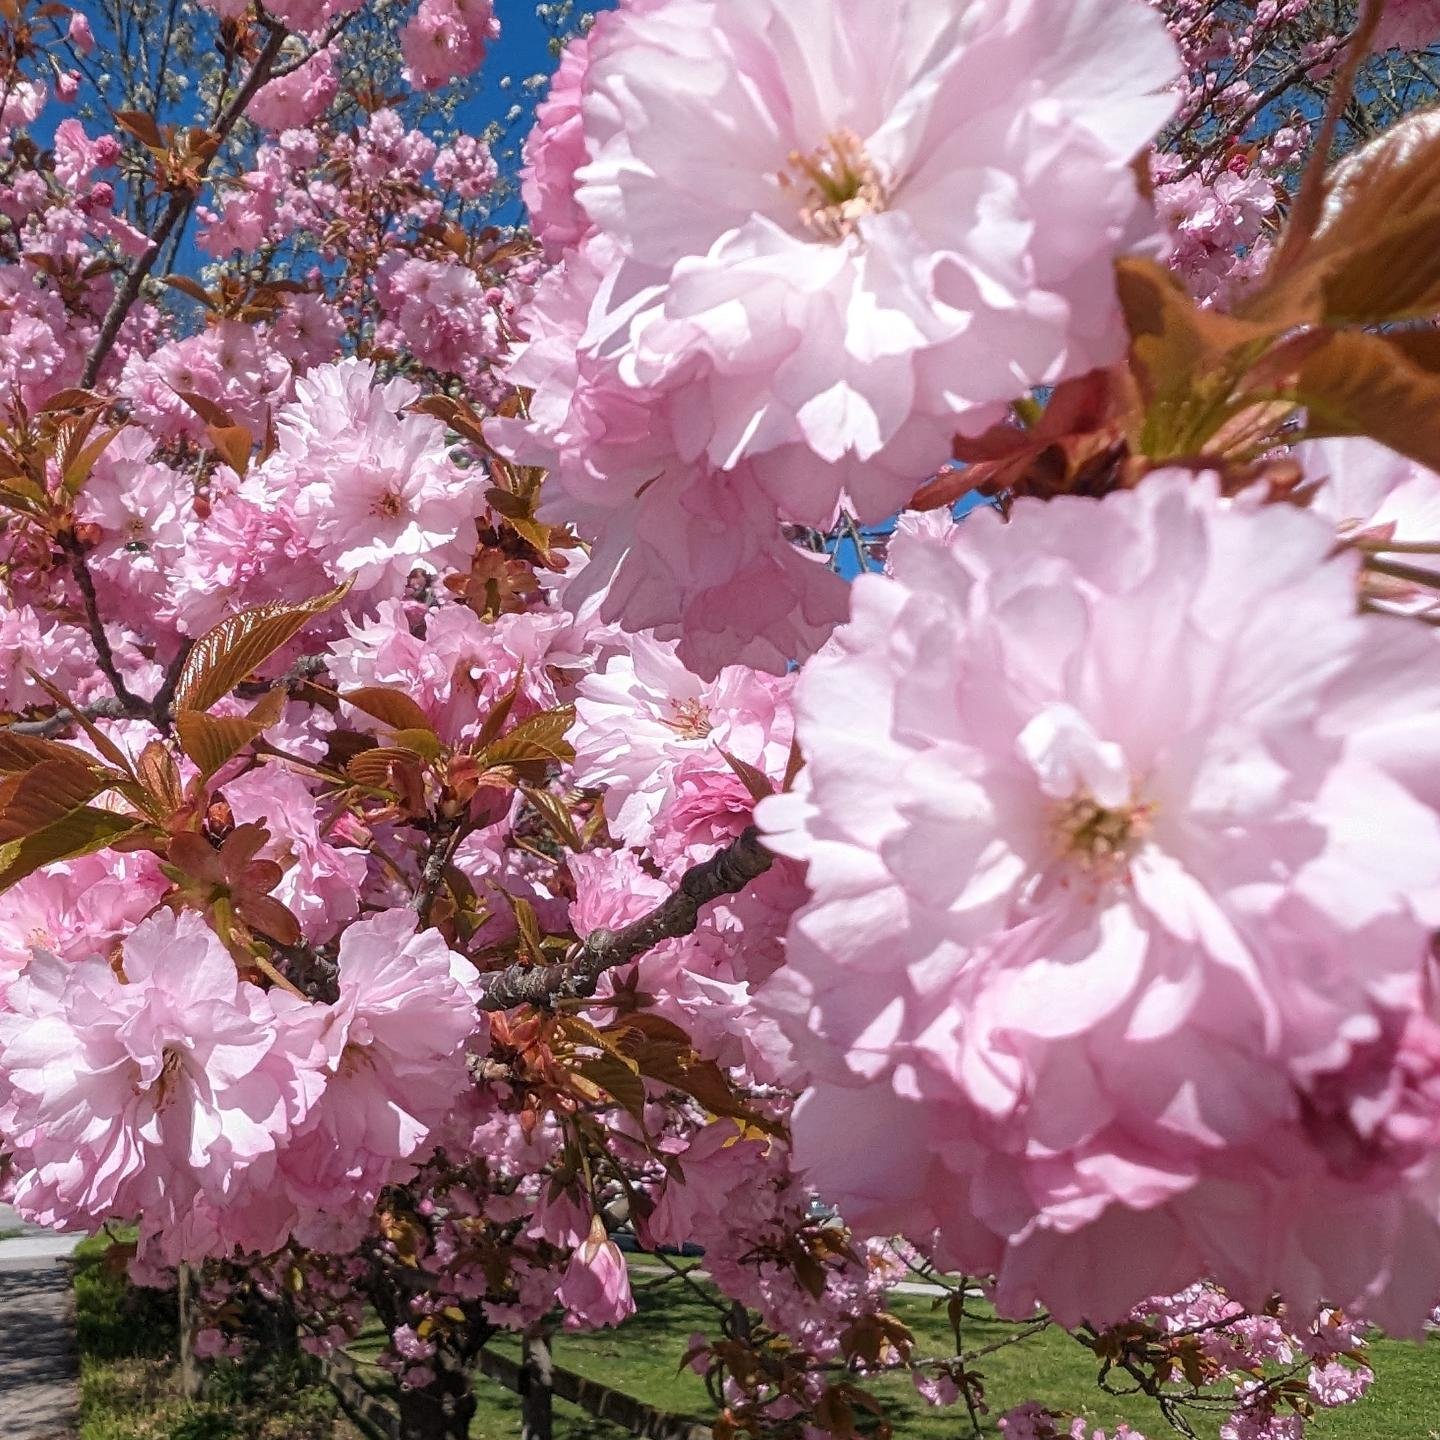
(1410, 574)
(47, 729)
(133, 704)
(726, 873)
(443, 844)
(178, 208)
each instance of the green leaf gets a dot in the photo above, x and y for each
(1360, 384)
(539, 739)
(222, 657)
(391, 707)
(81, 832)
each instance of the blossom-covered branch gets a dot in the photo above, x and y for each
(727, 872)
(183, 197)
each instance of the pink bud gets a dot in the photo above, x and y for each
(596, 1287)
(81, 36)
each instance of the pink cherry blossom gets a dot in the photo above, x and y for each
(79, 33)
(140, 1086)
(445, 39)
(295, 100)
(554, 151)
(468, 166)
(373, 488)
(643, 714)
(452, 665)
(392, 1049)
(1095, 932)
(596, 1288)
(1336, 1384)
(31, 641)
(703, 560)
(1408, 25)
(322, 882)
(815, 267)
(76, 908)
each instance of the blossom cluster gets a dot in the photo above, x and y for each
(452, 807)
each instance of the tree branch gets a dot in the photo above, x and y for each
(61, 720)
(133, 704)
(726, 873)
(178, 208)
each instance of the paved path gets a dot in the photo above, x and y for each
(38, 1395)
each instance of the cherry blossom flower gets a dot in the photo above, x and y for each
(1372, 494)
(29, 641)
(1408, 25)
(554, 151)
(702, 561)
(454, 666)
(295, 100)
(139, 1086)
(321, 884)
(642, 715)
(1117, 873)
(445, 39)
(75, 908)
(595, 1290)
(374, 489)
(392, 1049)
(835, 290)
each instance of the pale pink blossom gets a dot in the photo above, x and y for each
(1336, 1384)
(595, 1290)
(1374, 495)
(298, 99)
(79, 33)
(375, 490)
(836, 228)
(392, 1049)
(76, 908)
(1408, 25)
(703, 560)
(138, 1087)
(554, 151)
(321, 883)
(445, 39)
(455, 666)
(29, 641)
(1119, 872)
(643, 714)
(468, 166)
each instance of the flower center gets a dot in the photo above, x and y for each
(388, 503)
(355, 1059)
(1100, 839)
(689, 719)
(837, 184)
(172, 1065)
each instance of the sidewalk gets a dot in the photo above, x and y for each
(38, 1371)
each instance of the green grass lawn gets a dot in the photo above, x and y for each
(128, 1375)
(128, 1380)
(641, 1359)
